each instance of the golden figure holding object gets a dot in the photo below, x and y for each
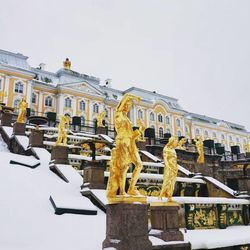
(125, 152)
(170, 169)
(142, 128)
(22, 110)
(200, 150)
(100, 119)
(181, 143)
(62, 132)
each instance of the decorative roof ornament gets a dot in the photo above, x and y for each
(67, 64)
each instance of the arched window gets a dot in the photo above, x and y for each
(152, 116)
(178, 122)
(18, 87)
(167, 120)
(206, 133)
(222, 137)
(16, 103)
(186, 130)
(230, 138)
(48, 101)
(82, 105)
(95, 108)
(67, 102)
(82, 120)
(214, 135)
(197, 131)
(140, 114)
(168, 131)
(237, 139)
(179, 133)
(161, 132)
(33, 98)
(159, 118)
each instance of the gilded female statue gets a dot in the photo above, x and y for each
(125, 152)
(62, 132)
(22, 110)
(170, 169)
(200, 150)
(100, 119)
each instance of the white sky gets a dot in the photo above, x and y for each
(196, 51)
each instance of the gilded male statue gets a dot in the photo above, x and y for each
(100, 119)
(22, 110)
(170, 169)
(200, 150)
(62, 132)
(125, 152)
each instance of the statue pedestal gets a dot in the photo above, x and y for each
(36, 139)
(127, 227)
(6, 119)
(94, 176)
(19, 128)
(59, 155)
(101, 130)
(165, 218)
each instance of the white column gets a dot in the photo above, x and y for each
(29, 91)
(40, 104)
(74, 105)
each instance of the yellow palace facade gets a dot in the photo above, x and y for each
(69, 92)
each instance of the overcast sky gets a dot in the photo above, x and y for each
(196, 51)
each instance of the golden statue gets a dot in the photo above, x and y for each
(67, 64)
(125, 152)
(142, 128)
(200, 150)
(170, 169)
(181, 143)
(100, 119)
(62, 132)
(22, 110)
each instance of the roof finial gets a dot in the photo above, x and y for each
(67, 64)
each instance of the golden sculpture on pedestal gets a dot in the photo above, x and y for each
(100, 119)
(181, 143)
(62, 132)
(142, 128)
(170, 169)
(67, 64)
(22, 110)
(125, 152)
(200, 150)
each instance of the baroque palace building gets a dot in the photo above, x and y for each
(76, 94)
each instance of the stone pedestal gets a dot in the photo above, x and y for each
(19, 128)
(127, 227)
(94, 176)
(6, 119)
(101, 130)
(36, 139)
(165, 218)
(59, 155)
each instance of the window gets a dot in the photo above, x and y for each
(82, 105)
(230, 138)
(16, 103)
(95, 108)
(18, 87)
(152, 116)
(178, 122)
(106, 113)
(222, 137)
(197, 131)
(214, 135)
(82, 120)
(206, 133)
(168, 131)
(179, 133)
(140, 114)
(186, 130)
(67, 103)
(160, 132)
(237, 139)
(48, 101)
(33, 98)
(167, 120)
(159, 118)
